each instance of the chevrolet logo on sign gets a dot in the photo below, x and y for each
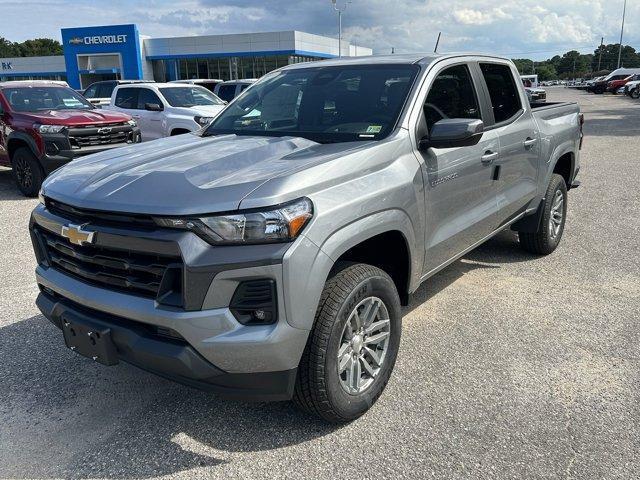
(76, 41)
(76, 235)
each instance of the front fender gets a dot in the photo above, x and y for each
(306, 266)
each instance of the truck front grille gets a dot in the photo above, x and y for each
(80, 137)
(136, 273)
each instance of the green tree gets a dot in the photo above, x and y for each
(630, 58)
(8, 49)
(40, 47)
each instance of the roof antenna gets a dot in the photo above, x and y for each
(435, 50)
(393, 50)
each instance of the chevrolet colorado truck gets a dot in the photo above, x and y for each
(44, 125)
(267, 256)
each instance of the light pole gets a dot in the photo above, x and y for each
(624, 12)
(339, 10)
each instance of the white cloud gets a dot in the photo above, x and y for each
(539, 29)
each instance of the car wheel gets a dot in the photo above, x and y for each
(353, 346)
(27, 172)
(554, 214)
(635, 93)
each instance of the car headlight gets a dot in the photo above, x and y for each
(279, 224)
(48, 128)
(132, 123)
(204, 121)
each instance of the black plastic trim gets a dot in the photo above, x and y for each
(171, 358)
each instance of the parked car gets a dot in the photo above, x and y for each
(267, 257)
(44, 125)
(600, 85)
(208, 83)
(534, 94)
(632, 89)
(229, 90)
(166, 109)
(99, 93)
(615, 85)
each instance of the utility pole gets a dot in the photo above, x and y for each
(624, 12)
(600, 56)
(339, 10)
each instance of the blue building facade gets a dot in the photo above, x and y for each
(113, 52)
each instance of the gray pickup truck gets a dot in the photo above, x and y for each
(267, 256)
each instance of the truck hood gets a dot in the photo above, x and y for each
(77, 117)
(184, 174)
(202, 110)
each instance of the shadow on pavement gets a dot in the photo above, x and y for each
(87, 420)
(8, 189)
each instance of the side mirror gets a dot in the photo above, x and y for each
(153, 107)
(453, 132)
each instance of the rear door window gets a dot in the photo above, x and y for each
(503, 91)
(127, 98)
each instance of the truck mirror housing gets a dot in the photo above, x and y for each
(453, 132)
(153, 107)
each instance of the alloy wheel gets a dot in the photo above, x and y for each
(557, 215)
(23, 172)
(363, 345)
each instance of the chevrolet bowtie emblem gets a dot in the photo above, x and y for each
(76, 235)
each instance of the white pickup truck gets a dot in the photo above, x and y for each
(166, 109)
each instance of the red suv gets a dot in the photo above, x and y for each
(44, 125)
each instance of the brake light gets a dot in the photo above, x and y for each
(581, 122)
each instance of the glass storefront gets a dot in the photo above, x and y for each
(223, 68)
(7, 78)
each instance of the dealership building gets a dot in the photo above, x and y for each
(120, 52)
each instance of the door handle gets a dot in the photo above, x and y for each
(530, 142)
(489, 157)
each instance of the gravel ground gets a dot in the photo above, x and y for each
(510, 366)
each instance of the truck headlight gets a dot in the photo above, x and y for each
(278, 224)
(132, 123)
(204, 121)
(48, 128)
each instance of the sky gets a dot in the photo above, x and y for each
(517, 28)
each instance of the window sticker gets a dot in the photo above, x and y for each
(374, 128)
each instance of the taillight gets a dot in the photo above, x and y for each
(581, 122)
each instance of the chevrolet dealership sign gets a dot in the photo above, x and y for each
(98, 40)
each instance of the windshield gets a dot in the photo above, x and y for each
(324, 104)
(36, 99)
(189, 96)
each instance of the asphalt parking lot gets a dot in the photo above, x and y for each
(511, 366)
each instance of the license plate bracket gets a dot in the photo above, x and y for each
(90, 340)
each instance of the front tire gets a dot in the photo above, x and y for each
(635, 93)
(27, 172)
(353, 346)
(554, 214)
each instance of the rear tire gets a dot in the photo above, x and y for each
(343, 369)
(635, 93)
(27, 172)
(554, 214)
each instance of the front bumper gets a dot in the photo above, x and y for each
(223, 347)
(139, 345)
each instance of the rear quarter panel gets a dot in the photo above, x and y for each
(559, 127)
